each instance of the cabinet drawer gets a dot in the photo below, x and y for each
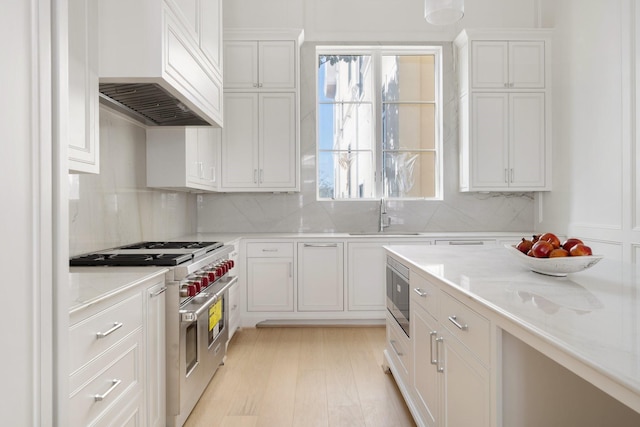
(113, 324)
(424, 293)
(98, 386)
(399, 347)
(270, 250)
(473, 330)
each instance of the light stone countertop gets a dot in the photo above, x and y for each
(90, 285)
(592, 316)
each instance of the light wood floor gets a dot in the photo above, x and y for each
(303, 377)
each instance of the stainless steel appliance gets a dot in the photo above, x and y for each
(197, 315)
(398, 293)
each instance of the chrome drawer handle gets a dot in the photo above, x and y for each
(116, 326)
(393, 345)
(420, 292)
(155, 294)
(454, 320)
(270, 250)
(434, 361)
(114, 383)
(439, 367)
(320, 245)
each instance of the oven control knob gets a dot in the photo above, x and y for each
(184, 291)
(219, 272)
(204, 281)
(212, 276)
(197, 285)
(192, 290)
(232, 263)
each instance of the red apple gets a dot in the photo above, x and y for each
(558, 252)
(551, 238)
(524, 246)
(541, 249)
(571, 242)
(580, 249)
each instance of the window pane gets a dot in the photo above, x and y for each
(345, 174)
(344, 78)
(408, 126)
(408, 78)
(345, 126)
(410, 174)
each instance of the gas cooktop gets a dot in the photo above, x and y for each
(147, 254)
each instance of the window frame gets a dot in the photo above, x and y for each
(376, 53)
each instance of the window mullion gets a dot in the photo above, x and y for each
(377, 119)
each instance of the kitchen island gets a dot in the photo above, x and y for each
(547, 337)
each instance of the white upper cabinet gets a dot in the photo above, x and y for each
(269, 64)
(512, 65)
(505, 110)
(260, 139)
(183, 158)
(84, 127)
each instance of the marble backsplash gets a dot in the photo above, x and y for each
(115, 207)
(301, 212)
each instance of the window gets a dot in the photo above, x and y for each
(379, 122)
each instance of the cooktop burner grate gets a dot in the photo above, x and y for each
(129, 260)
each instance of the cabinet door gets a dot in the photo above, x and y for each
(366, 279)
(211, 32)
(489, 139)
(84, 129)
(526, 65)
(276, 65)
(192, 159)
(320, 277)
(527, 140)
(269, 284)
(426, 378)
(240, 141)
(467, 397)
(156, 347)
(240, 65)
(207, 156)
(490, 65)
(277, 137)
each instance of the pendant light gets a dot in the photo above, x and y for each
(443, 12)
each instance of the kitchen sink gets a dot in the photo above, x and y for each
(384, 233)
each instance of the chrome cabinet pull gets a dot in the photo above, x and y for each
(434, 361)
(393, 346)
(465, 242)
(454, 320)
(420, 292)
(511, 179)
(255, 176)
(116, 326)
(439, 367)
(270, 250)
(320, 245)
(155, 294)
(114, 383)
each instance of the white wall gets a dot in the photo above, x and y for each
(594, 157)
(373, 20)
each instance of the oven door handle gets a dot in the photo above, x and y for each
(190, 316)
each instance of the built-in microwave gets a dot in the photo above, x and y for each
(398, 293)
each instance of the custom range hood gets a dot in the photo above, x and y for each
(155, 66)
(149, 103)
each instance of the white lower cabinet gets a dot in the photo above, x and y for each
(449, 374)
(270, 276)
(366, 276)
(156, 355)
(320, 276)
(466, 392)
(117, 369)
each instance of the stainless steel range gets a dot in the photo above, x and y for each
(196, 311)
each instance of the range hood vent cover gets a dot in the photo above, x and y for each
(149, 103)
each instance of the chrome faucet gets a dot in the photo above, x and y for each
(385, 221)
